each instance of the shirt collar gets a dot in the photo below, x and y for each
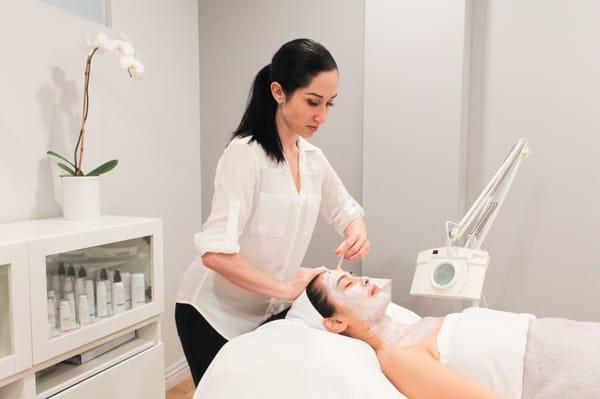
(305, 145)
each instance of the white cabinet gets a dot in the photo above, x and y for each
(67, 287)
(15, 346)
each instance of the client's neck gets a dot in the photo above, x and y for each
(380, 333)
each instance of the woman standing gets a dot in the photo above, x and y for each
(270, 184)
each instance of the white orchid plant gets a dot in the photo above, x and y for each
(97, 45)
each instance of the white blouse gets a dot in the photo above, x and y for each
(258, 213)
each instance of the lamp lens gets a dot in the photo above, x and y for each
(444, 274)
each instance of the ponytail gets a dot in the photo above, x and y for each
(258, 120)
(293, 66)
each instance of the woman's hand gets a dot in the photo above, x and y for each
(356, 245)
(298, 283)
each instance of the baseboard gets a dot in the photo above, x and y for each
(176, 373)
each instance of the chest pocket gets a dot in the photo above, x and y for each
(312, 204)
(271, 215)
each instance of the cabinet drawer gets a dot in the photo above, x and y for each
(138, 377)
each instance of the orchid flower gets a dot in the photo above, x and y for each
(120, 47)
(95, 42)
(132, 65)
(96, 45)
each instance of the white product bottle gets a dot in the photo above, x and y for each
(91, 272)
(138, 287)
(70, 296)
(126, 277)
(79, 285)
(101, 300)
(51, 312)
(84, 310)
(89, 291)
(69, 281)
(68, 286)
(81, 276)
(55, 284)
(118, 293)
(65, 316)
(109, 300)
(61, 280)
(52, 294)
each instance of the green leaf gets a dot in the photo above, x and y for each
(65, 167)
(61, 157)
(105, 167)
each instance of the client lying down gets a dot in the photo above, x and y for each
(478, 353)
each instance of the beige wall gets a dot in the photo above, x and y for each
(237, 38)
(151, 126)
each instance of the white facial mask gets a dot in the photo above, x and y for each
(371, 309)
(366, 307)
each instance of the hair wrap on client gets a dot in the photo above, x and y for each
(304, 311)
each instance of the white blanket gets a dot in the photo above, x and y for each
(287, 358)
(562, 360)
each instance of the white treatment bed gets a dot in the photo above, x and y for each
(512, 354)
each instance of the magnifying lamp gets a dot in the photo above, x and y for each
(459, 272)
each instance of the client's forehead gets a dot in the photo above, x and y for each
(332, 279)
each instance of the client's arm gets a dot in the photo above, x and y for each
(416, 374)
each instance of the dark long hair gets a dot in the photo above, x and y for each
(318, 297)
(293, 66)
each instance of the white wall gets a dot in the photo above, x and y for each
(529, 69)
(151, 126)
(237, 39)
(536, 74)
(416, 74)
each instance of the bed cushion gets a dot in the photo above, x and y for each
(288, 358)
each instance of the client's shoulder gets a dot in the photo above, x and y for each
(395, 356)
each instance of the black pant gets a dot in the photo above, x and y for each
(199, 340)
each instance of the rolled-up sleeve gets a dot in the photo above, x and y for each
(235, 179)
(337, 205)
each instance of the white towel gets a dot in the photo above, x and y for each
(486, 346)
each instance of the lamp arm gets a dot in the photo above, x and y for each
(483, 212)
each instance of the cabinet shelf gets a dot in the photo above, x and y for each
(133, 246)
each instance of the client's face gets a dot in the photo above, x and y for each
(356, 297)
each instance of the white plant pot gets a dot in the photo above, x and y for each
(81, 197)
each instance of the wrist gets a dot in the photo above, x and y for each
(282, 291)
(356, 225)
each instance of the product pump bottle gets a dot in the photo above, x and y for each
(101, 296)
(61, 279)
(69, 281)
(118, 293)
